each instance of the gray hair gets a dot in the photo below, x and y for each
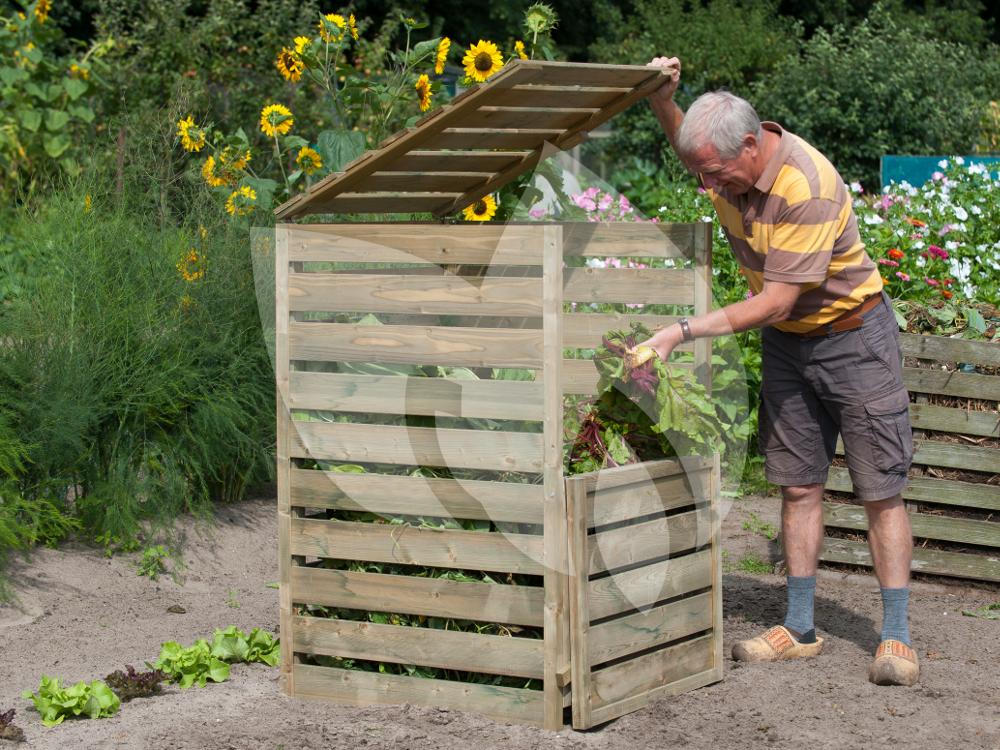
(720, 119)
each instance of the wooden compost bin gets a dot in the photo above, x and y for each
(627, 594)
(954, 488)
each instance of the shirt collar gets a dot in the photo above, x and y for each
(766, 180)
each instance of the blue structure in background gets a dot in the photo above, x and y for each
(916, 170)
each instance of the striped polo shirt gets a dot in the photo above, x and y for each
(796, 224)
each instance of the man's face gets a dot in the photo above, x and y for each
(736, 175)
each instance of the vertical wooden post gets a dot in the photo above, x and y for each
(554, 529)
(703, 300)
(579, 602)
(283, 469)
(715, 499)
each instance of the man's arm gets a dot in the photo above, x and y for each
(662, 100)
(773, 305)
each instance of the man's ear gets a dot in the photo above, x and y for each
(750, 142)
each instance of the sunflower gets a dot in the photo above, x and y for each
(308, 160)
(483, 209)
(78, 71)
(352, 24)
(42, 10)
(192, 265)
(240, 202)
(275, 120)
(423, 87)
(302, 43)
(442, 55)
(331, 27)
(482, 60)
(192, 137)
(289, 64)
(226, 159)
(519, 50)
(208, 172)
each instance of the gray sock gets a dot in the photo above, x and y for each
(895, 623)
(799, 617)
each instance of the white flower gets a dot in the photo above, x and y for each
(706, 219)
(856, 187)
(951, 245)
(920, 261)
(959, 160)
(596, 263)
(900, 232)
(662, 209)
(961, 214)
(918, 244)
(977, 210)
(943, 164)
(873, 219)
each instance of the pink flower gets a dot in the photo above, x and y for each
(605, 202)
(886, 202)
(536, 213)
(584, 202)
(903, 276)
(938, 252)
(945, 229)
(624, 207)
(930, 282)
(749, 294)
(702, 190)
(591, 193)
(613, 263)
(937, 176)
(884, 262)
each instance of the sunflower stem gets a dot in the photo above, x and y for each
(277, 155)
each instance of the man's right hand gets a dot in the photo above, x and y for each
(665, 94)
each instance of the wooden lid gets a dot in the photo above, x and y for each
(480, 141)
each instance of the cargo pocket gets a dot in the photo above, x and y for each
(892, 438)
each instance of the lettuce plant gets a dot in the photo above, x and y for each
(56, 703)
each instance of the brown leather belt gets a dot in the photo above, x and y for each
(847, 321)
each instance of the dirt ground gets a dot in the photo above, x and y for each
(82, 616)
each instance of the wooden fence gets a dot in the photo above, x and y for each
(954, 488)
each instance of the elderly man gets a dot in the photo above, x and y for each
(831, 357)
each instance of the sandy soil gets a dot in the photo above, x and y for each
(82, 616)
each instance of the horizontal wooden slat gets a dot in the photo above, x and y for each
(936, 562)
(678, 687)
(932, 490)
(357, 688)
(651, 671)
(414, 595)
(925, 526)
(419, 345)
(424, 182)
(416, 446)
(642, 587)
(585, 330)
(411, 293)
(558, 96)
(388, 394)
(952, 383)
(951, 455)
(593, 74)
(378, 202)
(630, 239)
(456, 161)
(412, 545)
(609, 503)
(638, 474)
(416, 243)
(428, 647)
(632, 285)
(506, 502)
(650, 540)
(545, 117)
(642, 630)
(948, 419)
(946, 349)
(481, 138)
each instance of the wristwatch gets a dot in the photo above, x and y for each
(685, 330)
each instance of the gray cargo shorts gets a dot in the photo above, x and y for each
(848, 383)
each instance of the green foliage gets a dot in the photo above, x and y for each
(56, 703)
(855, 95)
(721, 44)
(986, 612)
(151, 564)
(48, 115)
(195, 665)
(752, 564)
(205, 661)
(938, 241)
(755, 525)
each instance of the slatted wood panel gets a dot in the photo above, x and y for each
(463, 280)
(932, 498)
(532, 106)
(654, 624)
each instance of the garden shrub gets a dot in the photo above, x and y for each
(855, 96)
